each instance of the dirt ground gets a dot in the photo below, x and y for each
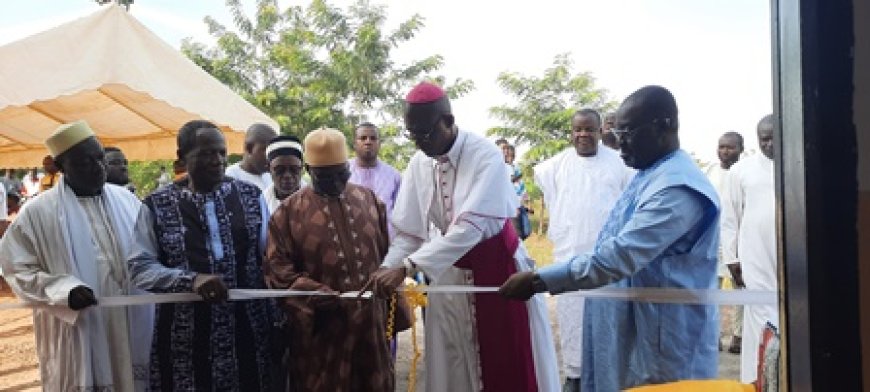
(19, 369)
(18, 365)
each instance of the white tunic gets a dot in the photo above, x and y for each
(60, 242)
(717, 176)
(579, 193)
(262, 181)
(272, 199)
(748, 236)
(466, 198)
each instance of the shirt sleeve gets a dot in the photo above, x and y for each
(661, 221)
(280, 267)
(543, 178)
(29, 278)
(147, 272)
(401, 246)
(434, 257)
(732, 214)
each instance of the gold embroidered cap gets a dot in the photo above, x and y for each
(66, 136)
(325, 147)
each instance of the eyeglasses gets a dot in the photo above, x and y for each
(116, 162)
(627, 134)
(280, 170)
(424, 136)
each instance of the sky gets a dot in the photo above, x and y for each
(713, 55)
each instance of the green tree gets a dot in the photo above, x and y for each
(144, 174)
(318, 65)
(541, 115)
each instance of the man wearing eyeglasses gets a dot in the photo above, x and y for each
(662, 232)
(284, 154)
(580, 185)
(457, 183)
(330, 237)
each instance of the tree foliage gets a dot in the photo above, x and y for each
(318, 65)
(144, 174)
(541, 115)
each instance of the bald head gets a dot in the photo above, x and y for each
(647, 125)
(765, 136)
(766, 122)
(653, 103)
(259, 134)
(256, 141)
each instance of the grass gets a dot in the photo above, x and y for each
(540, 248)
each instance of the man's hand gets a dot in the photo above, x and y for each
(322, 302)
(4, 224)
(384, 281)
(519, 286)
(737, 275)
(210, 287)
(80, 297)
(325, 302)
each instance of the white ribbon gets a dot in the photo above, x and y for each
(639, 294)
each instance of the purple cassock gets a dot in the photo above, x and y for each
(383, 179)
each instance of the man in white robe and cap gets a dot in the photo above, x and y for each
(749, 240)
(580, 186)
(456, 182)
(65, 251)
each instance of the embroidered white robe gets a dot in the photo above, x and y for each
(57, 243)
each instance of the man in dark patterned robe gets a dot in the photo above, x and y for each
(329, 237)
(205, 233)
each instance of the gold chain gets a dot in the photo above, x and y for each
(416, 297)
(391, 319)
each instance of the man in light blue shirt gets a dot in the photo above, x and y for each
(661, 233)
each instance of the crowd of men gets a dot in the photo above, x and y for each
(628, 208)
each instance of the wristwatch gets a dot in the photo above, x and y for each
(538, 284)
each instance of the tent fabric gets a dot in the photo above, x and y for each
(108, 69)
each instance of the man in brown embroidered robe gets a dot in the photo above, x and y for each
(330, 237)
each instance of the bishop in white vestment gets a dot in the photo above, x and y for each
(456, 184)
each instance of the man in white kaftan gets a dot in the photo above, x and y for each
(580, 186)
(728, 150)
(70, 240)
(749, 240)
(466, 196)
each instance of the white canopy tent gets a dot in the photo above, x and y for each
(134, 90)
